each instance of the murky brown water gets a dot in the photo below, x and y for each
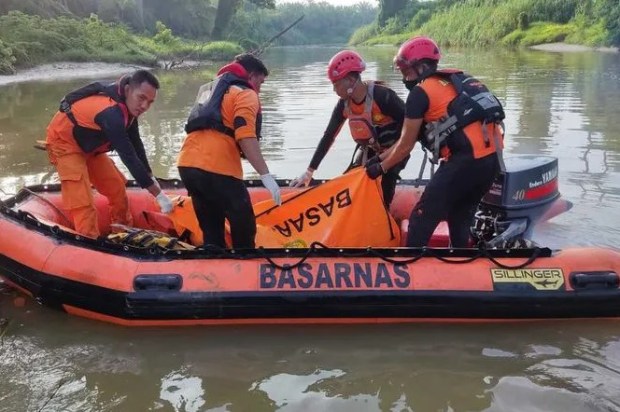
(561, 104)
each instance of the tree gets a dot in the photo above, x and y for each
(225, 11)
(389, 9)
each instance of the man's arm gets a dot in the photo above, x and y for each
(252, 153)
(404, 145)
(417, 105)
(112, 124)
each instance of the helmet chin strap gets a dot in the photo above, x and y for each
(420, 75)
(350, 89)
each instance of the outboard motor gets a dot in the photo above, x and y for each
(519, 198)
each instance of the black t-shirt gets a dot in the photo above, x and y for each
(417, 103)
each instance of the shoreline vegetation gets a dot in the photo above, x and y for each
(491, 23)
(73, 70)
(61, 39)
(28, 41)
(160, 32)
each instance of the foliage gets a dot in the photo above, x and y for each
(475, 22)
(414, 14)
(30, 40)
(523, 21)
(513, 22)
(609, 12)
(421, 17)
(364, 33)
(323, 23)
(539, 33)
(389, 9)
(557, 11)
(6, 59)
(189, 18)
(164, 35)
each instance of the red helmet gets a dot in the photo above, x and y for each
(343, 63)
(416, 49)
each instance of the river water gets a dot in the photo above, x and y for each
(559, 104)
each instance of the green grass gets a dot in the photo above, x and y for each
(539, 33)
(480, 23)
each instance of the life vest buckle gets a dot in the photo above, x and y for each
(65, 106)
(437, 132)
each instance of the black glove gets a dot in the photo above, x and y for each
(374, 170)
(373, 160)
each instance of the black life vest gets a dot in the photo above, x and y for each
(473, 103)
(207, 111)
(87, 138)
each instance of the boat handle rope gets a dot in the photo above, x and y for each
(482, 253)
(314, 246)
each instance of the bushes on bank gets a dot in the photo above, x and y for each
(28, 40)
(511, 22)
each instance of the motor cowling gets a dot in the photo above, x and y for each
(518, 198)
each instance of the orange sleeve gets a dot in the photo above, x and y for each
(245, 110)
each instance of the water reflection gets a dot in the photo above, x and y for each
(562, 104)
(185, 393)
(557, 103)
(87, 366)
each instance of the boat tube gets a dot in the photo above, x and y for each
(175, 284)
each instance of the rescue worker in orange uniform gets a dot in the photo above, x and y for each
(223, 126)
(375, 114)
(92, 121)
(455, 117)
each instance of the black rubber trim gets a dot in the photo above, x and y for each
(156, 304)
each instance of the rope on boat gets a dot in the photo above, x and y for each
(424, 252)
(313, 246)
(217, 252)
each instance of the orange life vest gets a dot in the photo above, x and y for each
(462, 111)
(362, 128)
(86, 132)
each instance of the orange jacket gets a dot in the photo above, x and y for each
(215, 151)
(470, 138)
(102, 123)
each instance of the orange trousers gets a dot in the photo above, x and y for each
(77, 171)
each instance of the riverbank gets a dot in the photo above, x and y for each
(90, 70)
(66, 70)
(570, 48)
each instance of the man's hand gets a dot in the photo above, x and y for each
(373, 160)
(165, 204)
(303, 180)
(374, 170)
(270, 183)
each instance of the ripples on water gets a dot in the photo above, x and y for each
(85, 366)
(565, 105)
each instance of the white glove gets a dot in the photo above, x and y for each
(165, 204)
(270, 183)
(303, 180)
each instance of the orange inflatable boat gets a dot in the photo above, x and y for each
(137, 285)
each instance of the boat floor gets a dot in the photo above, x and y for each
(47, 207)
